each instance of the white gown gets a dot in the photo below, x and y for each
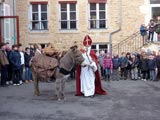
(87, 76)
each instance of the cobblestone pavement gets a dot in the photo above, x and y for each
(126, 100)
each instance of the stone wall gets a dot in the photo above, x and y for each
(132, 17)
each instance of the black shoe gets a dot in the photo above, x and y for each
(92, 96)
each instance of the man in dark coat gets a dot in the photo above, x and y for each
(15, 59)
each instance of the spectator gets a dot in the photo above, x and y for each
(138, 62)
(15, 59)
(27, 57)
(7, 47)
(128, 68)
(32, 51)
(22, 63)
(123, 66)
(134, 69)
(3, 64)
(152, 66)
(158, 64)
(116, 64)
(9, 67)
(100, 59)
(144, 66)
(143, 31)
(108, 66)
(152, 28)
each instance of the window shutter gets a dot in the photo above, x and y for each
(97, 1)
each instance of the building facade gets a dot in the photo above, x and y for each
(62, 22)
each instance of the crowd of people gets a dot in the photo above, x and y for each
(12, 63)
(132, 66)
(152, 28)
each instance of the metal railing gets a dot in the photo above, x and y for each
(132, 43)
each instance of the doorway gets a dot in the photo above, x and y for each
(9, 29)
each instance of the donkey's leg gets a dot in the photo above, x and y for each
(56, 88)
(63, 88)
(36, 89)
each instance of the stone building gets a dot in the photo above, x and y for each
(63, 21)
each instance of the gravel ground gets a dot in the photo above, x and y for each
(126, 100)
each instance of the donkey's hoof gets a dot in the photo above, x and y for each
(59, 99)
(37, 93)
(63, 98)
(53, 98)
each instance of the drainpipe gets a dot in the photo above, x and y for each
(14, 7)
(14, 21)
(119, 26)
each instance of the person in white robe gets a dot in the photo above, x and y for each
(87, 75)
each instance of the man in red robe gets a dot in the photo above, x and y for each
(98, 86)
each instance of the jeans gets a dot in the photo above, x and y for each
(134, 73)
(152, 74)
(27, 73)
(16, 76)
(4, 75)
(21, 73)
(115, 75)
(128, 73)
(123, 73)
(151, 35)
(108, 72)
(102, 72)
(144, 74)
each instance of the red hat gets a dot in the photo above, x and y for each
(87, 41)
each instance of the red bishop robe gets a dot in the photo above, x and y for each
(98, 85)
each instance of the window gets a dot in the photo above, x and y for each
(97, 16)
(154, 1)
(39, 16)
(68, 16)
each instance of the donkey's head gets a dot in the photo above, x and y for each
(77, 55)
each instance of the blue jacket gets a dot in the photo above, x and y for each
(123, 62)
(15, 59)
(116, 63)
(152, 64)
(143, 31)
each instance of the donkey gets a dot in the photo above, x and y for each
(60, 72)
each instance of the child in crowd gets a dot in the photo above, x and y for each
(108, 65)
(27, 57)
(123, 66)
(116, 64)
